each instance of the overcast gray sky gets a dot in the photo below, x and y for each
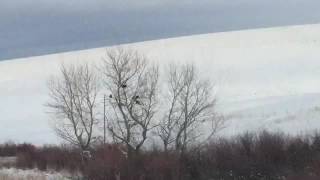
(34, 27)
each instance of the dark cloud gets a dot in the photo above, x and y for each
(34, 27)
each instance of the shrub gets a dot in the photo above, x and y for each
(261, 156)
(26, 154)
(8, 149)
(106, 163)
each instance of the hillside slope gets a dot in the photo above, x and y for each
(266, 78)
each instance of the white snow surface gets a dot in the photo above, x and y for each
(266, 79)
(17, 174)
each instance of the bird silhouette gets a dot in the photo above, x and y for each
(123, 85)
(138, 102)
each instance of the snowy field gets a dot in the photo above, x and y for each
(17, 174)
(266, 79)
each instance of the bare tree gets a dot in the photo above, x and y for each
(169, 123)
(73, 96)
(191, 104)
(132, 84)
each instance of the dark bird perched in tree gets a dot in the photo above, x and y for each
(138, 102)
(123, 85)
(110, 96)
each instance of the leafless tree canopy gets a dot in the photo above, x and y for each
(74, 103)
(191, 104)
(132, 86)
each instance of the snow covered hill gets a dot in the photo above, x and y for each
(266, 79)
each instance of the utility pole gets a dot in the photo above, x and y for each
(104, 119)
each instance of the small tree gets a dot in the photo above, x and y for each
(191, 104)
(73, 96)
(132, 86)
